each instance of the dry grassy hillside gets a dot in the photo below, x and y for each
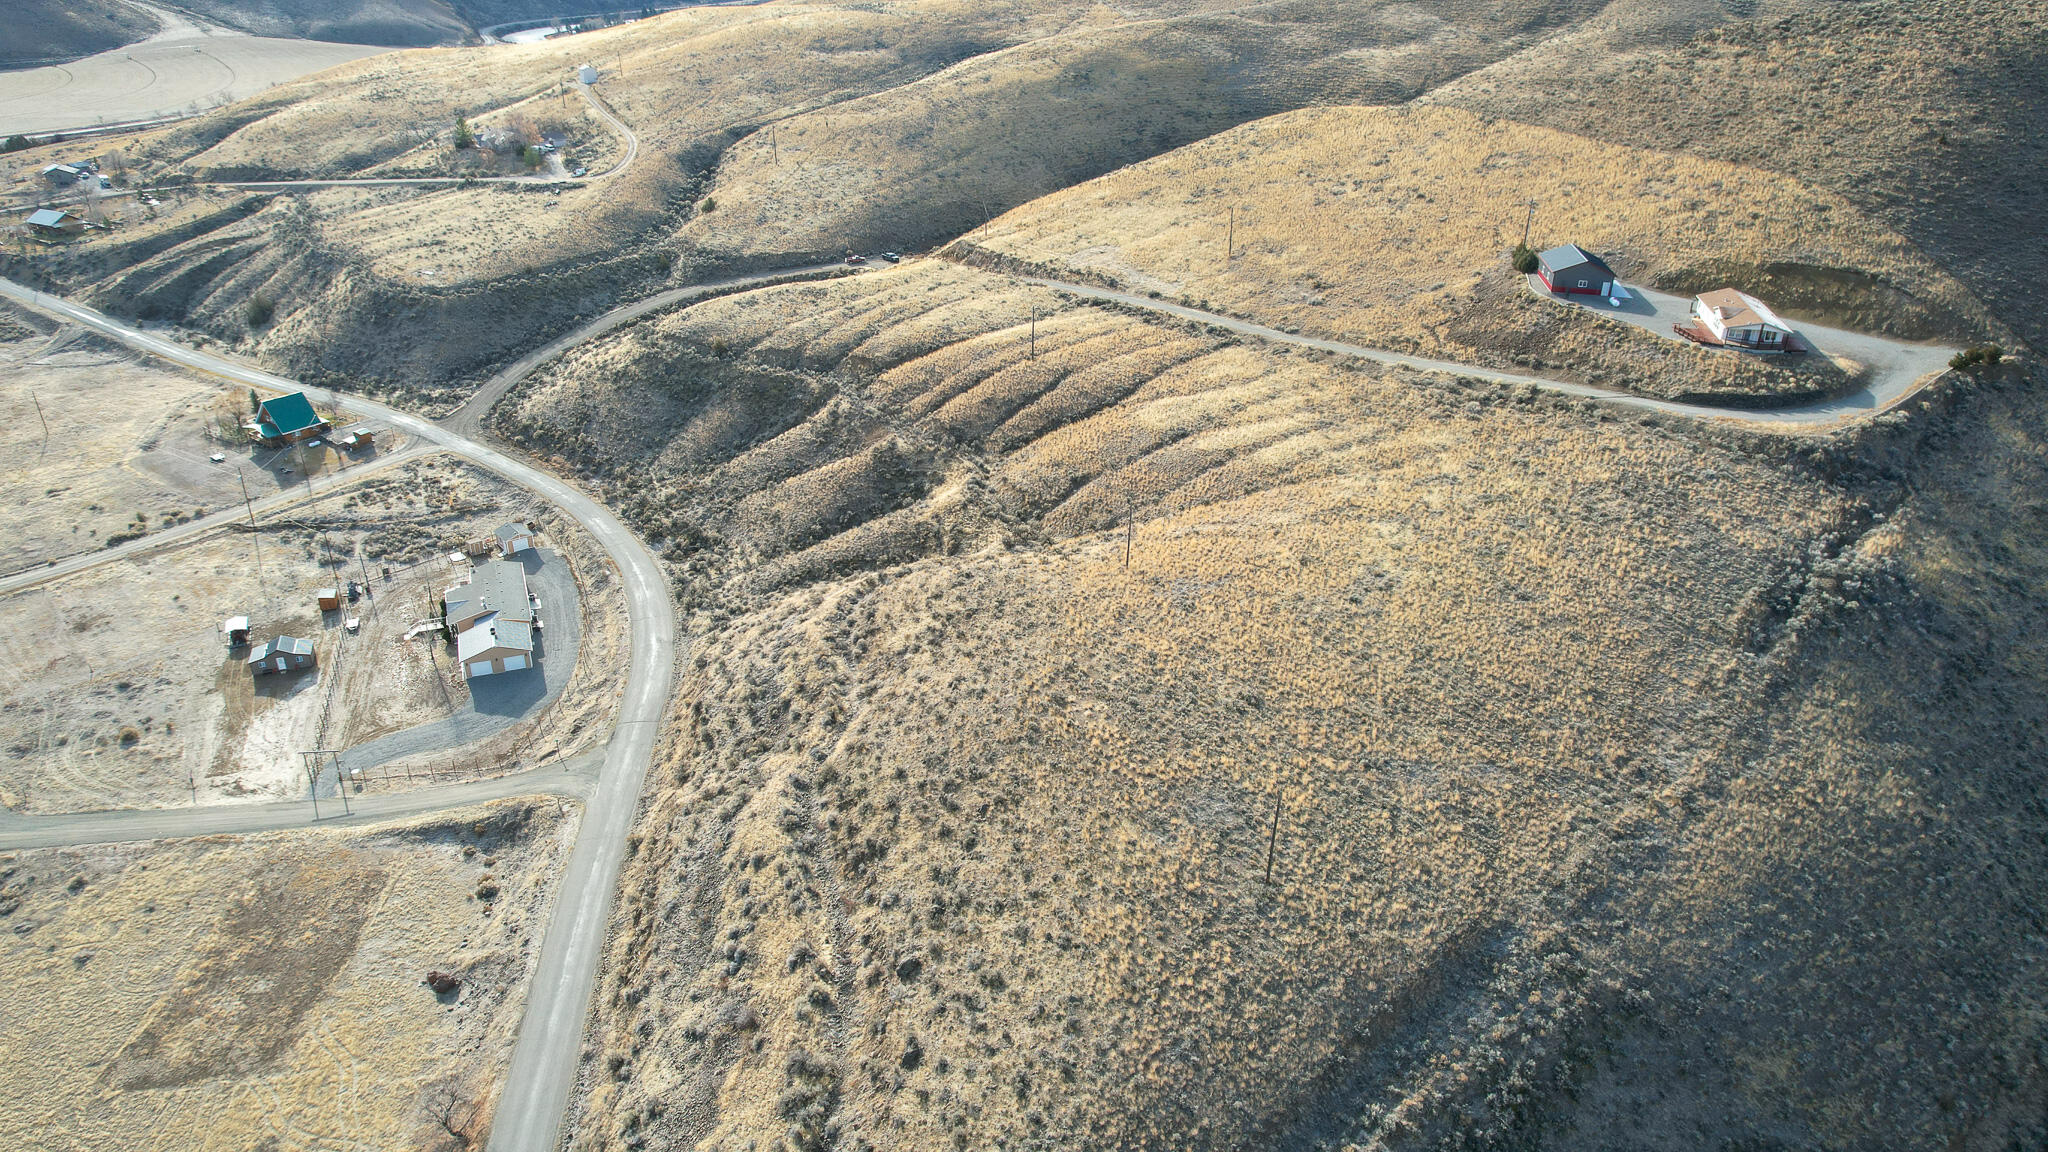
(1391, 227)
(1922, 112)
(269, 991)
(1584, 734)
(394, 23)
(924, 162)
(405, 291)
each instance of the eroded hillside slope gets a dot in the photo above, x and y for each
(1588, 752)
(766, 136)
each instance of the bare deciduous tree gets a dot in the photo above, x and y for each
(453, 1111)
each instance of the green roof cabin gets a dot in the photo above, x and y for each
(286, 419)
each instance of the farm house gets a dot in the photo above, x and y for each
(493, 619)
(287, 419)
(283, 654)
(1727, 316)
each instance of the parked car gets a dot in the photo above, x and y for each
(892, 257)
(579, 171)
(855, 258)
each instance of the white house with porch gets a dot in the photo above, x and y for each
(1739, 319)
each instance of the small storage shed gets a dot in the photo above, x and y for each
(284, 654)
(587, 74)
(1570, 268)
(330, 599)
(514, 538)
(236, 629)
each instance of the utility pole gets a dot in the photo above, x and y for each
(774, 150)
(254, 544)
(1130, 522)
(1528, 223)
(1273, 837)
(39, 418)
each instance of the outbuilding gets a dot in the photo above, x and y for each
(329, 599)
(514, 538)
(1739, 319)
(236, 629)
(587, 74)
(55, 222)
(1571, 269)
(62, 175)
(284, 654)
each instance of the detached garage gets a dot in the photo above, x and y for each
(1570, 268)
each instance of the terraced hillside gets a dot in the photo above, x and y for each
(1588, 753)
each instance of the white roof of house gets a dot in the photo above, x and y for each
(1739, 309)
(493, 632)
(497, 587)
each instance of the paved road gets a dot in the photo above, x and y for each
(468, 419)
(544, 1061)
(1822, 414)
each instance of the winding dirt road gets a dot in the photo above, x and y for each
(1913, 366)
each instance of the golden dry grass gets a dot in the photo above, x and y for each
(1920, 112)
(1391, 227)
(268, 991)
(964, 824)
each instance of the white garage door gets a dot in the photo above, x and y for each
(514, 663)
(480, 668)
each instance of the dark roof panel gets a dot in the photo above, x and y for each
(284, 415)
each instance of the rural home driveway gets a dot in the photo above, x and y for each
(546, 1055)
(498, 702)
(1819, 416)
(1895, 365)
